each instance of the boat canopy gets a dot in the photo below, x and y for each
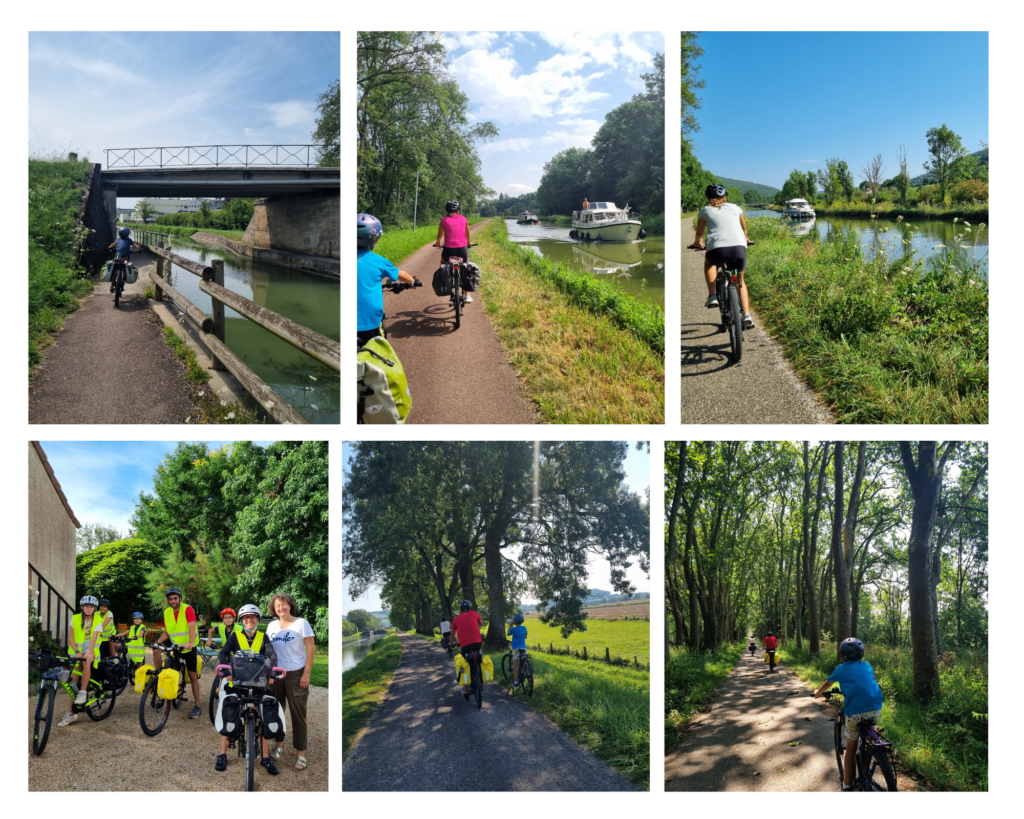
(797, 202)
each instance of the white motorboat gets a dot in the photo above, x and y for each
(798, 209)
(527, 218)
(604, 222)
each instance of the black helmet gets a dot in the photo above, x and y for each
(104, 602)
(465, 605)
(452, 206)
(172, 590)
(771, 633)
(851, 649)
(715, 191)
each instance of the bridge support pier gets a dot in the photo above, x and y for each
(307, 223)
(110, 203)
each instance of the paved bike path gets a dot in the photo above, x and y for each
(455, 376)
(110, 366)
(426, 737)
(742, 742)
(761, 389)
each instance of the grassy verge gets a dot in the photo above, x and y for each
(897, 342)
(944, 744)
(363, 685)
(888, 210)
(177, 230)
(579, 365)
(321, 665)
(622, 638)
(690, 682)
(398, 245)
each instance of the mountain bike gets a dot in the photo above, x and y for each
(56, 672)
(752, 648)
(447, 644)
(876, 764)
(118, 274)
(154, 711)
(457, 297)
(727, 293)
(250, 696)
(525, 678)
(476, 683)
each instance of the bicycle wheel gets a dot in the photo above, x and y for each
(104, 704)
(735, 325)
(526, 676)
(457, 298)
(879, 775)
(839, 733)
(178, 700)
(118, 287)
(214, 699)
(44, 717)
(250, 749)
(153, 711)
(478, 686)
(507, 668)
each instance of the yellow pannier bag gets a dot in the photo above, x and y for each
(487, 669)
(167, 684)
(462, 669)
(778, 657)
(142, 677)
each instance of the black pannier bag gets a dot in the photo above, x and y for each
(470, 277)
(443, 280)
(229, 715)
(272, 718)
(113, 672)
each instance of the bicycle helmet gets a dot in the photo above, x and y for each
(465, 605)
(771, 633)
(173, 590)
(715, 191)
(368, 231)
(517, 619)
(137, 614)
(228, 611)
(452, 206)
(88, 600)
(851, 649)
(248, 608)
(124, 233)
(104, 602)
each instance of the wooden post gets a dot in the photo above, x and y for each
(160, 271)
(218, 309)
(584, 652)
(607, 655)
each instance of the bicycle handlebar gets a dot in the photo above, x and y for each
(398, 287)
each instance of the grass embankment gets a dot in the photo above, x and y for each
(55, 279)
(899, 342)
(321, 666)
(891, 210)
(177, 230)
(563, 332)
(691, 681)
(398, 245)
(363, 685)
(622, 638)
(944, 744)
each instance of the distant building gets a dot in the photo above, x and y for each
(165, 206)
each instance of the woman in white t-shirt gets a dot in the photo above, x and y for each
(292, 637)
(726, 245)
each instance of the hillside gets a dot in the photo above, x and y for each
(928, 178)
(766, 190)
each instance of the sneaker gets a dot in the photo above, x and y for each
(515, 684)
(222, 762)
(68, 719)
(268, 763)
(195, 713)
(712, 301)
(748, 322)
(469, 299)
(844, 788)
(81, 698)
(465, 695)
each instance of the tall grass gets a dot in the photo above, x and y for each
(690, 683)
(397, 245)
(943, 743)
(363, 685)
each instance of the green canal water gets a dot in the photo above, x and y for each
(312, 301)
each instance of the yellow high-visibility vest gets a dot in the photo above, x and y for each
(257, 643)
(136, 644)
(82, 639)
(222, 631)
(176, 626)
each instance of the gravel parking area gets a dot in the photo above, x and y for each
(179, 758)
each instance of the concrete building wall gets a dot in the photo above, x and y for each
(305, 223)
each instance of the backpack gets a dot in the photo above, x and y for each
(229, 716)
(382, 385)
(272, 718)
(442, 283)
(470, 277)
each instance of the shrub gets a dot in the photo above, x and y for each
(973, 190)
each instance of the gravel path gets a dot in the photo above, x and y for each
(455, 376)
(426, 737)
(761, 389)
(179, 758)
(111, 366)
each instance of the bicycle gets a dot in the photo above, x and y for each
(119, 673)
(362, 389)
(152, 706)
(476, 683)
(752, 648)
(457, 297)
(118, 274)
(874, 755)
(525, 678)
(447, 644)
(56, 671)
(727, 293)
(250, 695)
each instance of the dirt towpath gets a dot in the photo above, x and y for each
(455, 376)
(743, 742)
(426, 737)
(761, 389)
(110, 365)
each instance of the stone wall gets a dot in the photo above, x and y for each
(92, 213)
(305, 223)
(320, 265)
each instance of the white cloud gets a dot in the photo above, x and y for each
(573, 132)
(93, 67)
(292, 113)
(809, 162)
(515, 188)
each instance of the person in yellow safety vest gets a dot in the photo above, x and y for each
(226, 626)
(83, 639)
(180, 629)
(136, 634)
(107, 618)
(248, 638)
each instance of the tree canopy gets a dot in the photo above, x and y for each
(328, 125)
(118, 571)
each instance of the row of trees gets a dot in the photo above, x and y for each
(411, 119)
(884, 541)
(693, 177)
(506, 205)
(490, 522)
(626, 160)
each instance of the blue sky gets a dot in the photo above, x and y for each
(545, 92)
(89, 91)
(779, 101)
(103, 479)
(638, 478)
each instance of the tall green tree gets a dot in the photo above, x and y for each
(565, 183)
(91, 535)
(118, 571)
(946, 148)
(690, 52)
(328, 125)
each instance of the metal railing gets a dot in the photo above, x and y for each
(46, 614)
(216, 156)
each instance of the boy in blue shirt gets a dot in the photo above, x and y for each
(125, 246)
(371, 270)
(518, 634)
(856, 680)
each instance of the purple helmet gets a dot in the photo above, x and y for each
(369, 230)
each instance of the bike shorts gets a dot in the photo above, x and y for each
(365, 335)
(853, 722)
(191, 658)
(448, 252)
(518, 652)
(465, 650)
(731, 258)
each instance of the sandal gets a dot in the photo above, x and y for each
(275, 751)
(300, 763)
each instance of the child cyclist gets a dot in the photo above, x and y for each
(371, 270)
(446, 632)
(225, 627)
(453, 231)
(136, 634)
(518, 634)
(83, 639)
(466, 628)
(125, 246)
(107, 619)
(864, 699)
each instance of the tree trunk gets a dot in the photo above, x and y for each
(842, 580)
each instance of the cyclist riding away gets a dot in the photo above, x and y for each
(726, 245)
(225, 627)
(371, 270)
(107, 619)
(453, 231)
(83, 638)
(466, 628)
(136, 634)
(753, 644)
(180, 629)
(518, 634)
(864, 699)
(247, 638)
(446, 632)
(125, 246)
(770, 644)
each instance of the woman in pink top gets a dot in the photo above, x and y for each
(454, 231)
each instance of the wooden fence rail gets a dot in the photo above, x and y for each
(607, 658)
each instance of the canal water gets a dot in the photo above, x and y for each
(874, 235)
(353, 652)
(638, 266)
(312, 301)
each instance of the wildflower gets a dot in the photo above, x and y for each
(270, 405)
(899, 218)
(312, 378)
(223, 403)
(229, 416)
(967, 223)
